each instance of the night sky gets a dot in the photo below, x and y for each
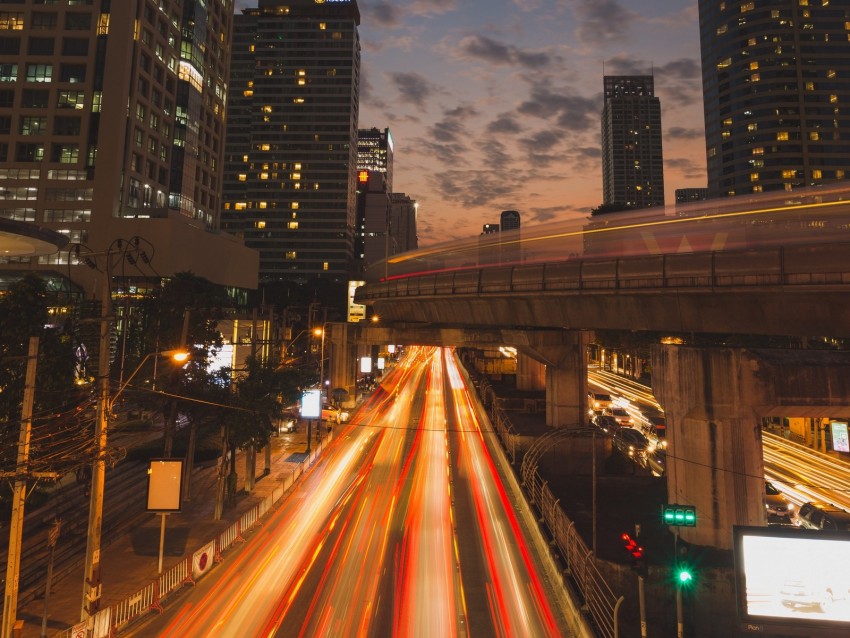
(495, 104)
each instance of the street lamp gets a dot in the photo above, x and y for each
(91, 574)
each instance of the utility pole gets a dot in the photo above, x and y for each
(91, 575)
(16, 526)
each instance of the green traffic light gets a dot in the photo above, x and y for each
(685, 576)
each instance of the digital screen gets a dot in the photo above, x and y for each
(311, 404)
(380, 363)
(840, 442)
(793, 577)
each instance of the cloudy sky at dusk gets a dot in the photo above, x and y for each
(495, 104)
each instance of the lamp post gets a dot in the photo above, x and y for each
(91, 574)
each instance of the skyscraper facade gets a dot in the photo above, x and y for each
(776, 87)
(112, 119)
(403, 212)
(375, 153)
(509, 220)
(289, 175)
(632, 158)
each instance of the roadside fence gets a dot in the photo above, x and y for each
(110, 621)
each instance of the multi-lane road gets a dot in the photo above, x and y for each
(800, 473)
(403, 528)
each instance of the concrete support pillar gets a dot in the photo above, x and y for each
(566, 378)
(341, 359)
(714, 455)
(530, 374)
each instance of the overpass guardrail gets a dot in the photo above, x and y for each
(816, 265)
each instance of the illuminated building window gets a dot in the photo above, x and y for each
(724, 63)
(814, 136)
(747, 6)
(265, 147)
(240, 205)
(753, 126)
(291, 254)
(263, 205)
(817, 174)
(833, 98)
(242, 177)
(755, 77)
(323, 26)
(292, 225)
(267, 108)
(810, 86)
(261, 224)
(839, 174)
(789, 174)
(754, 177)
(754, 66)
(758, 188)
(294, 206)
(298, 100)
(759, 150)
(782, 136)
(295, 176)
(721, 29)
(325, 265)
(264, 175)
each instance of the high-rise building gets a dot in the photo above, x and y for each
(404, 210)
(112, 119)
(372, 239)
(685, 195)
(375, 153)
(632, 159)
(489, 229)
(289, 175)
(776, 87)
(509, 220)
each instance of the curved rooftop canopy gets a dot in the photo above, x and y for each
(22, 239)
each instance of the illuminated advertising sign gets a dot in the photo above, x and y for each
(365, 365)
(311, 404)
(356, 311)
(840, 441)
(792, 580)
(165, 485)
(380, 363)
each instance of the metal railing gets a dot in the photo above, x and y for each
(115, 618)
(598, 600)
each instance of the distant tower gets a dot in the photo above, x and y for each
(776, 90)
(509, 220)
(685, 195)
(403, 214)
(632, 161)
(489, 229)
(375, 153)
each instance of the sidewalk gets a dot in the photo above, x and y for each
(131, 561)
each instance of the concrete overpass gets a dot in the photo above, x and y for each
(713, 397)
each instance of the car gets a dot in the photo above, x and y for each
(823, 516)
(656, 462)
(332, 414)
(606, 423)
(599, 400)
(623, 417)
(287, 423)
(631, 443)
(779, 510)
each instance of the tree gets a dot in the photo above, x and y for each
(182, 314)
(612, 207)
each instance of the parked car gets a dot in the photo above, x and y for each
(631, 443)
(623, 417)
(599, 400)
(288, 422)
(606, 423)
(824, 516)
(779, 510)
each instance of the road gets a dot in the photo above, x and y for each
(404, 528)
(800, 473)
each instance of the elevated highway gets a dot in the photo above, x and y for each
(774, 267)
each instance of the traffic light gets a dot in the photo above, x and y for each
(684, 576)
(635, 550)
(679, 515)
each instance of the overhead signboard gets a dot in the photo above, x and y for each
(793, 581)
(365, 365)
(356, 311)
